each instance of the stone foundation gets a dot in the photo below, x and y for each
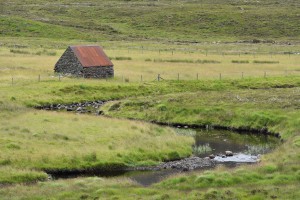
(98, 72)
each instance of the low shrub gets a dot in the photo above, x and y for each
(123, 58)
(19, 51)
(240, 61)
(265, 62)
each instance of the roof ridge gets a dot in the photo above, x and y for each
(91, 55)
(89, 45)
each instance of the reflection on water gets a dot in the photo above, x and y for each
(220, 141)
(246, 148)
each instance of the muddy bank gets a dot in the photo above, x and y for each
(248, 130)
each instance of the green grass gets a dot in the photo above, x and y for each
(163, 20)
(238, 107)
(189, 38)
(34, 140)
(38, 140)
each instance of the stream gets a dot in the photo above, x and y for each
(211, 148)
(210, 145)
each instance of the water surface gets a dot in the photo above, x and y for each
(246, 148)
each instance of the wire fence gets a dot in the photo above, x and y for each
(134, 78)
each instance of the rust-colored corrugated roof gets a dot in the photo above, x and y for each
(91, 56)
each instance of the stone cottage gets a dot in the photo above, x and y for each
(85, 61)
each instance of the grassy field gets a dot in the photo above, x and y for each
(164, 20)
(222, 63)
(136, 65)
(32, 140)
(259, 103)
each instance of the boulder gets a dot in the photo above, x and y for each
(228, 153)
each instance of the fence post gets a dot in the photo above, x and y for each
(265, 74)
(172, 53)
(39, 78)
(141, 78)
(242, 75)
(220, 76)
(158, 77)
(12, 80)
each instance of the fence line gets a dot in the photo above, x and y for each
(15, 80)
(173, 51)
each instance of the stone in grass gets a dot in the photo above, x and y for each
(228, 153)
(69, 109)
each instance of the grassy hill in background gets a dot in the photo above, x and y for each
(164, 20)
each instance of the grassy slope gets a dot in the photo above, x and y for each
(44, 140)
(69, 90)
(268, 104)
(237, 107)
(155, 20)
(35, 140)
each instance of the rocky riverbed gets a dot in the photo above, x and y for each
(185, 164)
(81, 107)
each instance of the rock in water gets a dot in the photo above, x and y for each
(212, 156)
(228, 153)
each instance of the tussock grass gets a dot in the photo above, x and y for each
(120, 58)
(240, 61)
(265, 62)
(19, 51)
(201, 149)
(10, 175)
(185, 61)
(58, 141)
(211, 107)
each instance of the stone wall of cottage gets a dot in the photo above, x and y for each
(69, 64)
(98, 72)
